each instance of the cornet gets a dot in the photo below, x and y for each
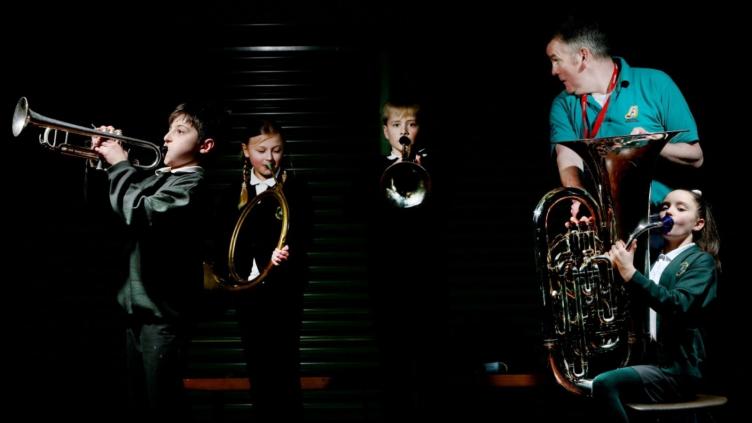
(405, 183)
(23, 116)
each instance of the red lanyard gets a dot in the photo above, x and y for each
(602, 113)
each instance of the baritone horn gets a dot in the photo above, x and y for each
(589, 327)
(23, 116)
(405, 183)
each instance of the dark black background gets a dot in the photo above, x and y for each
(482, 69)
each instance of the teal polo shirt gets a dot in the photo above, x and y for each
(646, 98)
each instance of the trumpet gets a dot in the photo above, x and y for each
(406, 183)
(23, 116)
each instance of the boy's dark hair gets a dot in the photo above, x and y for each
(583, 33)
(206, 118)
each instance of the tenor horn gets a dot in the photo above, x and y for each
(263, 225)
(23, 116)
(406, 183)
(588, 327)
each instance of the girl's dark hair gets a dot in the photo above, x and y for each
(706, 238)
(258, 126)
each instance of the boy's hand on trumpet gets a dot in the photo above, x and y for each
(110, 149)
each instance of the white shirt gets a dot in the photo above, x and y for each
(260, 185)
(600, 98)
(186, 169)
(656, 270)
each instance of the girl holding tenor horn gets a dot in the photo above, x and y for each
(270, 312)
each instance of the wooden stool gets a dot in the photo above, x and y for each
(701, 403)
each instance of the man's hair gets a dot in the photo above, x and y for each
(205, 118)
(399, 105)
(578, 34)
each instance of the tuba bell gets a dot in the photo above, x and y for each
(406, 183)
(587, 326)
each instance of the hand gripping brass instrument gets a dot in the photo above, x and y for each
(150, 154)
(406, 183)
(262, 226)
(587, 325)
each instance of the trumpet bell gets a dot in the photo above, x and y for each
(20, 116)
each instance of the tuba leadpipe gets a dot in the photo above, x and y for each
(23, 116)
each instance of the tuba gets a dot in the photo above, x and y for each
(587, 325)
(263, 225)
(406, 184)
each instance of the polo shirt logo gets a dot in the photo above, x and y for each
(633, 112)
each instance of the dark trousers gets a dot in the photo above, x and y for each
(270, 319)
(410, 330)
(613, 388)
(155, 361)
